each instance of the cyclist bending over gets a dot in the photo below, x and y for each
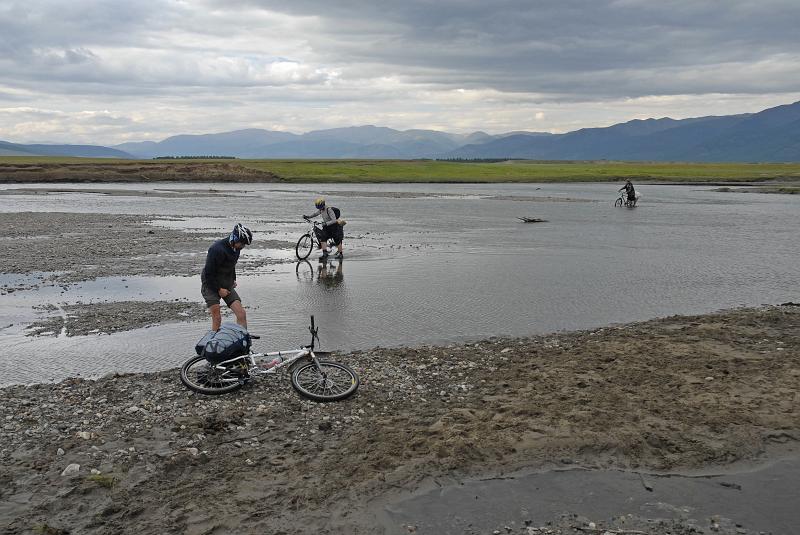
(331, 227)
(219, 276)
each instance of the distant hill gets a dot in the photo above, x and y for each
(350, 142)
(80, 151)
(772, 135)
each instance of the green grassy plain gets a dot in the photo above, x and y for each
(519, 171)
(445, 171)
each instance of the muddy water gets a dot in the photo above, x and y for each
(427, 264)
(759, 500)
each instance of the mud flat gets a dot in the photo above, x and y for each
(72, 247)
(81, 319)
(141, 454)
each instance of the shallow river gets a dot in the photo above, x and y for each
(430, 263)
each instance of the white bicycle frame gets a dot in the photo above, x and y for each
(251, 358)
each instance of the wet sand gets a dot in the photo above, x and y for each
(81, 319)
(740, 500)
(73, 247)
(667, 395)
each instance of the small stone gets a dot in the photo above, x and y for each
(505, 350)
(71, 470)
(85, 435)
(192, 451)
(95, 471)
(60, 452)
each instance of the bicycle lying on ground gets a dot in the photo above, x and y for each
(309, 240)
(622, 200)
(320, 380)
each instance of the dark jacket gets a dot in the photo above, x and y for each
(220, 269)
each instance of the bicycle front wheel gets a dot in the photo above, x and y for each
(330, 382)
(618, 202)
(198, 375)
(304, 246)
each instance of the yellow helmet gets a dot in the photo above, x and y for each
(319, 202)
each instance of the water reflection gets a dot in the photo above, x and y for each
(329, 272)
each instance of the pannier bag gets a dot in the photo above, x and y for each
(231, 340)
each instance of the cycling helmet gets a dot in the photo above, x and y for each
(319, 202)
(241, 234)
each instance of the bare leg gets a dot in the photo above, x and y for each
(216, 317)
(240, 313)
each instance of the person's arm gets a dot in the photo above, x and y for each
(210, 269)
(312, 216)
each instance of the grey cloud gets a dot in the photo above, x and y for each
(494, 43)
(202, 63)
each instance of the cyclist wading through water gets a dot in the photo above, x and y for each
(629, 191)
(331, 227)
(219, 276)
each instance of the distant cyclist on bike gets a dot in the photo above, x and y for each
(219, 276)
(629, 191)
(332, 227)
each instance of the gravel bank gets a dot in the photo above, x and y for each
(80, 247)
(106, 318)
(141, 454)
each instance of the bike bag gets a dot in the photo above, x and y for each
(230, 341)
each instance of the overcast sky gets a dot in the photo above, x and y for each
(105, 72)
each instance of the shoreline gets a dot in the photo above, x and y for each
(671, 394)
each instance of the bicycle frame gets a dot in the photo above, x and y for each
(288, 356)
(315, 227)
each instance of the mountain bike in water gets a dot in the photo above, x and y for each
(622, 200)
(309, 240)
(311, 376)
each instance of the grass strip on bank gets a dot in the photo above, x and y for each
(386, 171)
(518, 171)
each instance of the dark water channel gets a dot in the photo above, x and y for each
(431, 264)
(759, 500)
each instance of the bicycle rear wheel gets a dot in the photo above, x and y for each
(198, 375)
(330, 382)
(304, 246)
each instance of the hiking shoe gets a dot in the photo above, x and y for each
(339, 255)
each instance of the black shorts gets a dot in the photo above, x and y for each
(212, 298)
(331, 232)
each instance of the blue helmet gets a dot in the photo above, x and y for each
(241, 234)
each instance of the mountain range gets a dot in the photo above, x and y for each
(772, 135)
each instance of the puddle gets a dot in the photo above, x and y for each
(759, 500)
